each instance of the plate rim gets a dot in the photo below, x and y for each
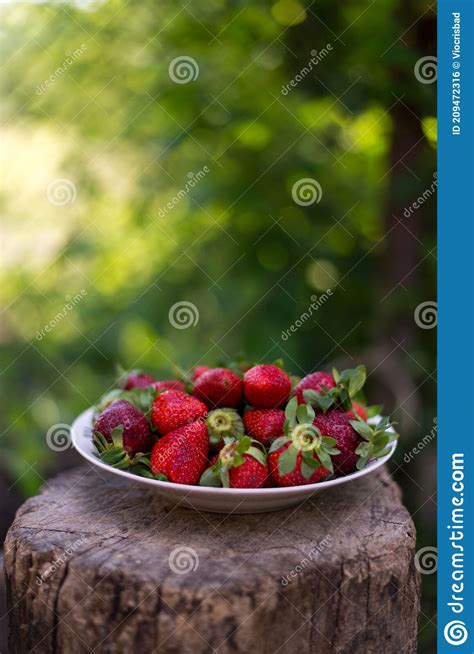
(84, 420)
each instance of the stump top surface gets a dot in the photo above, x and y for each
(111, 524)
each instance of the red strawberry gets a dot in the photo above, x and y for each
(136, 436)
(241, 464)
(219, 387)
(264, 424)
(358, 410)
(295, 476)
(181, 455)
(336, 424)
(315, 381)
(266, 386)
(173, 409)
(170, 385)
(249, 474)
(198, 370)
(137, 379)
(302, 455)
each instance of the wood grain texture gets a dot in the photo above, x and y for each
(94, 563)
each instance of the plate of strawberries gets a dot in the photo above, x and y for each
(239, 438)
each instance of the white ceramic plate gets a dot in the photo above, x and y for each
(217, 500)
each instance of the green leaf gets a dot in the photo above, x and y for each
(113, 455)
(143, 472)
(290, 411)
(122, 464)
(326, 460)
(336, 375)
(277, 443)
(243, 444)
(383, 424)
(357, 380)
(364, 449)
(306, 470)
(362, 428)
(310, 413)
(310, 396)
(373, 410)
(117, 436)
(329, 442)
(311, 461)
(325, 401)
(100, 442)
(287, 460)
(380, 441)
(381, 454)
(258, 455)
(210, 477)
(224, 473)
(302, 413)
(237, 460)
(361, 462)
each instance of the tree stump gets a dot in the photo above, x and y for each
(97, 563)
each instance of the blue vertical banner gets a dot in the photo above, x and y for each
(455, 326)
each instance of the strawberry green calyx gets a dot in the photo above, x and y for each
(348, 384)
(232, 456)
(373, 410)
(113, 452)
(115, 455)
(224, 423)
(376, 439)
(305, 439)
(141, 467)
(142, 398)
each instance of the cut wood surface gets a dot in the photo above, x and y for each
(97, 563)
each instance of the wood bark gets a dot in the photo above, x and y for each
(96, 563)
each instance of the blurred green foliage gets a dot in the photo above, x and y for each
(237, 245)
(127, 139)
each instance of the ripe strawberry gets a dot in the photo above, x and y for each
(315, 381)
(241, 464)
(264, 424)
(266, 386)
(224, 423)
(336, 424)
(181, 455)
(219, 387)
(302, 455)
(198, 370)
(249, 474)
(124, 426)
(358, 411)
(173, 409)
(137, 379)
(170, 385)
